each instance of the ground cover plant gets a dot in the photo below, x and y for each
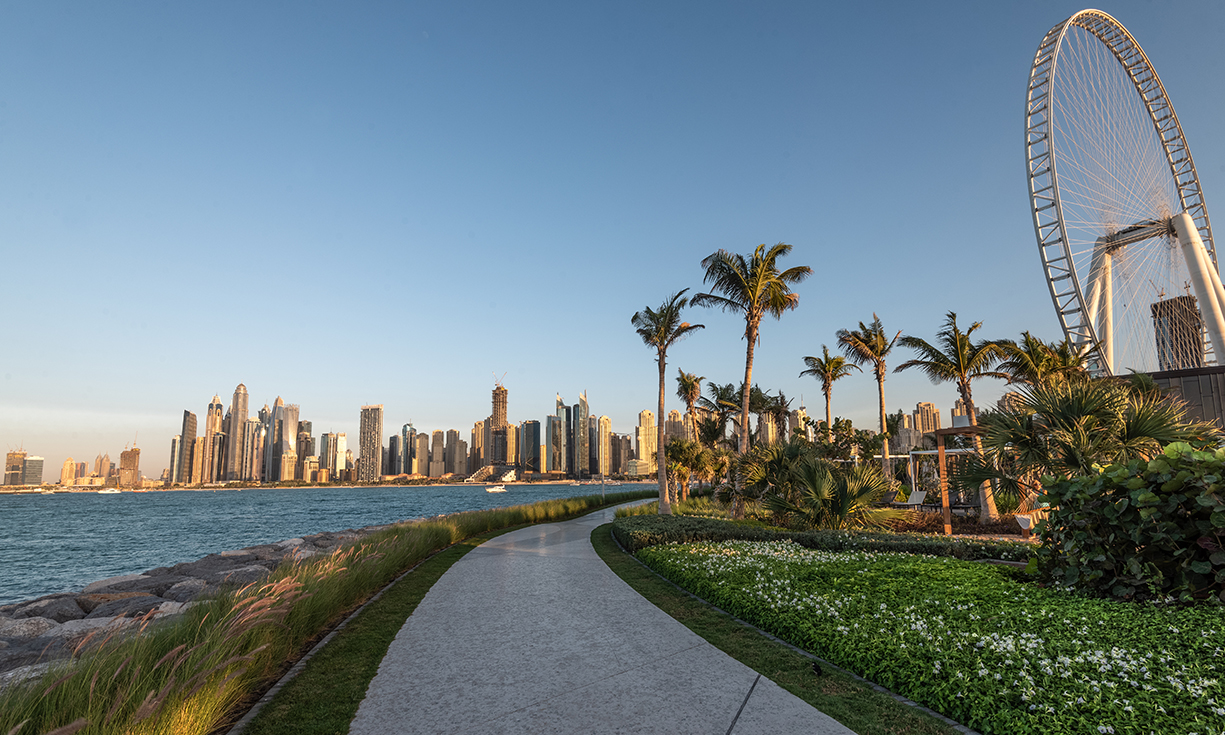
(199, 671)
(640, 531)
(849, 700)
(971, 641)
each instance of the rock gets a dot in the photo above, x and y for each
(22, 673)
(3, 645)
(89, 603)
(59, 609)
(303, 553)
(104, 583)
(291, 542)
(130, 606)
(75, 629)
(214, 567)
(26, 627)
(185, 591)
(239, 552)
(148, 584)
(245, 575)
(172, 608)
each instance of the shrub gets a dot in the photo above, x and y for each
(1141, 530)
(639, 532)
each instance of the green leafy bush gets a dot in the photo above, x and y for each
(1141, 530)
(639, 532)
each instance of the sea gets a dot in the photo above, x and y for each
(61, 542)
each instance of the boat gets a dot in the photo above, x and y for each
(496, 489)
(109, 491)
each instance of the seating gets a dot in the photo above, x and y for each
(914, 501)
(1027, 521)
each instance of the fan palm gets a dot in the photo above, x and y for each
(721, 403)
(1033, 361)
(661, 328)
(1070, 429)
(827, 369)
(752, 287)
(689, 390)
(828, 497)
(870, 345)
(955, 358)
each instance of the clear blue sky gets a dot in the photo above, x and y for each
(345, 204)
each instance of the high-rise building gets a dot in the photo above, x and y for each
(252, 435)
(216, 456)
(674, 427)
(181, 474)
(438, 461)
(647, 439)
(289, 464)
(498, 418)
(604, 439)
(580, 438)
(477, 451)
(213, 418)
(285, 435)
(798, 419)
(176, 456)
(13, 462)
(961, 416)
(452, 461)
(370, 444)
(926, 417)
(529, 446)
(235, 452)
(32, 471)
(129, 467)
(408, 445)
(1178, 329)
(82, 469)
(197, 461)
(304, 445)
(395, 459)
(327, 453)
(555, 444)
(68, 473)
(421, 454)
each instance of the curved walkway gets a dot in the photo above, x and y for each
(531, 633)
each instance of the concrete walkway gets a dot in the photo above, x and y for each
(532, 633)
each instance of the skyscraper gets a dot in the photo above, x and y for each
(498, 417)
(437, 455)
(252, 434)
(129, 467)
(647, 438)
(477, 448)
(370, 444)
(926, 417)
(234, 450)
(581, 438)
(395, 459)
(604, 453)
(12, 467)
(176, 456)
(453, 462)
(68, 473)
(212, 427)
(408, 445)
(32, 471)
(555, 444)
(421, 454)
(187, 446)
(529, 446)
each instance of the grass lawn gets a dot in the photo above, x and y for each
(848, 700)
(971, 640)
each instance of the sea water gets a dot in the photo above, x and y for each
(62, 542)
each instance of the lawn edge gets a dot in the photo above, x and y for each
(965, 730)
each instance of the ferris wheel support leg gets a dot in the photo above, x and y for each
(1106, 316)
(1201, 280)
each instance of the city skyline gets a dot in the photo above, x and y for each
(201, 156)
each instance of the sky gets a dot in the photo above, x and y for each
(350, 204)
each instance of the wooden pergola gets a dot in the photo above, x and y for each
(944, 475)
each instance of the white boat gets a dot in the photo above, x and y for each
(109, 491)
(496, 489)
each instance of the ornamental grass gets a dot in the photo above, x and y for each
(196, 672)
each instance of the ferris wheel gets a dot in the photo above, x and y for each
(1118, 211)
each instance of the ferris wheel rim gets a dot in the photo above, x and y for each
(1046, 206)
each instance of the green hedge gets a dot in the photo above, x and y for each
(639, 532)
(1141, 531)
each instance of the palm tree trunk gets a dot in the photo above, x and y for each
(829, 422)
(665, 508)
(751, 334)
(986, 497)
(884, 446)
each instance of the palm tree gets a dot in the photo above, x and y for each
(689, 390)
(827, 369)
(957, 359)
(870, 344)
(752, 287)
(1035, 362)
(661, 328)
(721, 404)
(830, 497)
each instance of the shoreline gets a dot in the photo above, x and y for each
(97, 489)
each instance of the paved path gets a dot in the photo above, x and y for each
(531, 633)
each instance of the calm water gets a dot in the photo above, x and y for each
(62, 542)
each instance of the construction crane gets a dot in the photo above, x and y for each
(498, 381)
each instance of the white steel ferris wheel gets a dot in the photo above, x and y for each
(1118, 211)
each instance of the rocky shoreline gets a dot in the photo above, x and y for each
(35, 634)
